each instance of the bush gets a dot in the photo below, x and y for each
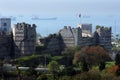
(50, 76)
(102, 65)
(42, 77)
(116, 78)
(66, 78)
(92, 55)
(107, 76)
(32, 60)
(117, 59)
(91, 75)
(70, 71)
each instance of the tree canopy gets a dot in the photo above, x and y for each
(92, 55)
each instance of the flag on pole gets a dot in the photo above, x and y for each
(79, 15)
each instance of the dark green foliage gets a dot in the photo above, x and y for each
(54, 67)
(70, 71)
(39, 49)
(107, 76)
(98, 26)
(32, 61)
(66, 60)
(102, 65)
(42, 77)
(91, 75)
(117, 59)
(63, 60)
(118, 71)
(84, 65)
(50, 77)
(30, 72)
(62, 73)
(66, 78)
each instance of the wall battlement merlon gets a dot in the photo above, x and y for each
(105, 28)
(25, 25)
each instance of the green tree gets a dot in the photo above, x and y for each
(84, 65)
(98, 26)
(92, 55)
(53, 67)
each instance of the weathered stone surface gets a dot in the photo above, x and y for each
(25, 39)
(70, 37)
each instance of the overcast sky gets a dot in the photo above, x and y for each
(66, 11)
(58, 7)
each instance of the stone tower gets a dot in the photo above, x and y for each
(78, 36)
(71, 36)
(25, 39)
(67, 36)
(105, 37)
(86, 29)
(5, 25)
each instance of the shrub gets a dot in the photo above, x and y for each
(42, 77)
(102, 65)
(115, 70)
(92, 55)
(107, 76)
(66, 78)
(90, 75)
(116, 78)
(50, 76)
(117, 59)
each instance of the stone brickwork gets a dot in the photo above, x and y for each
(105, 37)
(6, 39)
(55, 44)
(6, 46)
(24, 38)
(102, 36)
(86, 29)
(71, 37)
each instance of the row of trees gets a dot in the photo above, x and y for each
(83, 59)
(76, 60)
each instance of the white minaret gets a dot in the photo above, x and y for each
(5, 25)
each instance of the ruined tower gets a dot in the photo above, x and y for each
(105, 37)
(24, 38)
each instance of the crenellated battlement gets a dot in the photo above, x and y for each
(25, 38)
